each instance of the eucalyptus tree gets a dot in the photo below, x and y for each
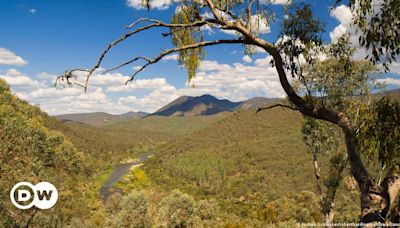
(342, 84)
(300, 44)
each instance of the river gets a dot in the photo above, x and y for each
(118, 172)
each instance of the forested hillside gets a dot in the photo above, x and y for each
(30, 151)
(255, 164)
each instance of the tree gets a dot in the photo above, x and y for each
(133, 211)
(300, 43)
(342, 84)
(322, 139)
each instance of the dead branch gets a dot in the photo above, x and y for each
(68, 75)
(276, 105)
(185, 47)
(156, 23)
(127, 63)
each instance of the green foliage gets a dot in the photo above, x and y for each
(241, 168)
(301, 38)
(380, 133)
(339, 83)
(379, 23)
(302, 25)
(30, 151)
(190, 58)
(302, 207)
(177, 210)
(133, 211)
(207, 209)
(320, 137)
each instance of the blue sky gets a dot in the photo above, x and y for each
(41, 38)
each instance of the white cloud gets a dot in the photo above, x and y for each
(343, 14)
(19, 80)
(139, 84)
(246, 59)
(8, 57)
(109, 93)
(259, 24)
(281, 2)
(394, 67)
(171, 57)
(390, 81)
(154, 4)
(32, 11)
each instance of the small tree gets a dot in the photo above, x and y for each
(133, 211)
(177, 210)
(322, 139)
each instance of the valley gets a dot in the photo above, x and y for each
(246, 168)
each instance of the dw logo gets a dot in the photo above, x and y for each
(43, 195)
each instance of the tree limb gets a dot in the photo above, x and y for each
(185, 47)
(156, 23)
(276, 105)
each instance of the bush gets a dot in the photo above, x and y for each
(133, 211)
(207, 209)
(177, 210)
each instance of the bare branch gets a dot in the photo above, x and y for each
(141, 20)
(185, 47)
(127, 63)
(277, 105)
(156, 23)
(69, 74)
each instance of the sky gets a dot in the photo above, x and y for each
(40, 39)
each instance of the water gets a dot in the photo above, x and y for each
(118, 172)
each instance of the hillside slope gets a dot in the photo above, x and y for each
(98, 118)
(245, 159)
(29, 151)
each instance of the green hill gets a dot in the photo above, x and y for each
(241, 159)
(30, 151)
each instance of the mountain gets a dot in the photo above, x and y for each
(395, 93)
(98, 118)
(194, 106)
(208, 105)
(257, 102)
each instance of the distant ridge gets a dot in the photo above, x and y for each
(98, 118)
(189, 106)
(208, 105)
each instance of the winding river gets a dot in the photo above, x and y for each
(118, 172)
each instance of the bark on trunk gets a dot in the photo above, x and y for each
(326, 204)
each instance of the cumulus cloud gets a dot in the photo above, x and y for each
(154, 4)
(390, 81)
(171, 57)
(8, 57)
(246, 59)
(139, 84)
(343, 14)
(108, 92)
(281, 2)
(19, 80)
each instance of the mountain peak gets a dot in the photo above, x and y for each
(193, 106)
(206, 105)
